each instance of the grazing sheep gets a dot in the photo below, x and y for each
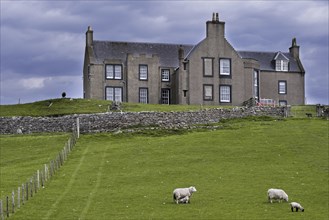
(181, 193)
(277, 194)
(297, 206)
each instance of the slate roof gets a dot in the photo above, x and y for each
(168, 53)
(265, 59)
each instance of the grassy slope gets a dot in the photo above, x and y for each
(21, 156)
(58, 107)
(132, 176)
(85, 106)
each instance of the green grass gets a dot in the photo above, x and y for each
(299, 111)
(132, 176)
(21, 156)
(58, 107)
(55, 107)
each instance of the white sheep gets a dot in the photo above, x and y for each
(186, 199)
(181, 193)
(296, 206)
(276, 194)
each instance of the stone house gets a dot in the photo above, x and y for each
(211, 72)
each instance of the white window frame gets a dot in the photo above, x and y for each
(143, 95)
(165, 96)
(113, 93)
(113, 71)
(255, 84)
(165, 75)
(224, 67)
(208, 92)
(282, 87)
(208, 69)
(225, 93)
(282, 65)
(143, 73)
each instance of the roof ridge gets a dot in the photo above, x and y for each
(135, 42)
(254, 51)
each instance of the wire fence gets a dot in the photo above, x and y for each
(38, 180)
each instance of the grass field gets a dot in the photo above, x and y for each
(21, 156)
(65, 106)
(131, 176)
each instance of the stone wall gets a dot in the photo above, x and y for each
(112, 121)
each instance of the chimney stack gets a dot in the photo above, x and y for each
(89, 36)
(294, 49)
(180, 52)
(215, 28)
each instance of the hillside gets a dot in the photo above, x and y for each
(65, 106)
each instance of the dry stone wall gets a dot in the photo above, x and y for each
(112, 121)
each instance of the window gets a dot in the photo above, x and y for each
(143, 95)
(281, 65)
(208, 92)
(225, 67)
(207, 66)
(165, 96)
(282, 87)
(283, 102)
(113, 94)
(114, 71)
(165, 75)
(143, 72)
(256, 84)
(225, 93)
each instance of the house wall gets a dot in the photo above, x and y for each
(250, 66)
(97, 81)
(86, 77)
(295, 86)
(153, 83)
(215, 46)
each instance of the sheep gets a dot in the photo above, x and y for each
(182, 193)
(277, 194)
(186, 199)
(297, 206)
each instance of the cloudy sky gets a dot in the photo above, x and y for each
(43, 42)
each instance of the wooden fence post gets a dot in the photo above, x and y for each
(51, 169)
(78, 127)
(38, 178)
(42, 179)
(13, 201)
(23, 193)
(18, 197)
(27, 191)
(31, 188)
(7, 206)
(46, 173)
(35, 184)
(1, 211)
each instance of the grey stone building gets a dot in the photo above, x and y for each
(211, 72)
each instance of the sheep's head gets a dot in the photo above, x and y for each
(192, 189)
(285, 198)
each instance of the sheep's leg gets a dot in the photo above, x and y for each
(296, 209)
(292, 209)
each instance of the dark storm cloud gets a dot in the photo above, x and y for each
(42, 42)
